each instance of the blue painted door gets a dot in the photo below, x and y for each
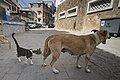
(4, 16)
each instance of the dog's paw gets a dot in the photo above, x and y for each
(19, 60)
(25, 62)
(44, 65)
(78, 66)
(55, 71)
(88, 70)
(31, 63)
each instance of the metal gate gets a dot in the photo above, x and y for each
(112, 25)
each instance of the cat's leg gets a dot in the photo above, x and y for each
(19, 59)
(26, 60)
(31, 62)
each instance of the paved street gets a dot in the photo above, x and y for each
(107, 64)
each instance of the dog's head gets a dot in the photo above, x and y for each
(104, 35)
(38, 51)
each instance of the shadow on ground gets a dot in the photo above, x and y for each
(108, 65)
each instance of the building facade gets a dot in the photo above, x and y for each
(5, 10)
(28, 15)
(44, 13)
(14, 9)
(10, 9)
(51, 5)
(85, 15)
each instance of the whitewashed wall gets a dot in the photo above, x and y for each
(13, 27)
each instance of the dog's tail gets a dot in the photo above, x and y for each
(46, 50)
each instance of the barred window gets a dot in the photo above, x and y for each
(99, 5)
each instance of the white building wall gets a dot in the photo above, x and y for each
(6, 8)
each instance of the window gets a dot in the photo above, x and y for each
(39, 12)
(13, 8)
(39, 19)
(24, 12)
(29, 13)
(61, 1)
(31, 5)
(62, 15)
(72, 12)
(8, 9)
(17, 1)
(39, 5)
(99, 5)
(119, 4)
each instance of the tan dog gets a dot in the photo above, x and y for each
(73, 44)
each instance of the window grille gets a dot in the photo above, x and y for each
(99, 5)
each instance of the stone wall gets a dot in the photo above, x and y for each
(84, 21)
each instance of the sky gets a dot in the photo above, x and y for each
(24, 3)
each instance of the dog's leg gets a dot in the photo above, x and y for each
(55, 56)
(44, 64)
(55, 70)
(45, 57)
(31, 62)
(87, 58)
(46, 53)
(19, 59)
(77, 64)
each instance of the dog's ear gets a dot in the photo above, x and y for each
(94, 30)
(109, 35)
(103, 32)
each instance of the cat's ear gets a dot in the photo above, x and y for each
(31, 50)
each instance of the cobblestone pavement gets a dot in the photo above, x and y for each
(107, 65)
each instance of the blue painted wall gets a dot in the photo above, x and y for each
(4, 16)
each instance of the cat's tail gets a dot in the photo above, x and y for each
(15, 40)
